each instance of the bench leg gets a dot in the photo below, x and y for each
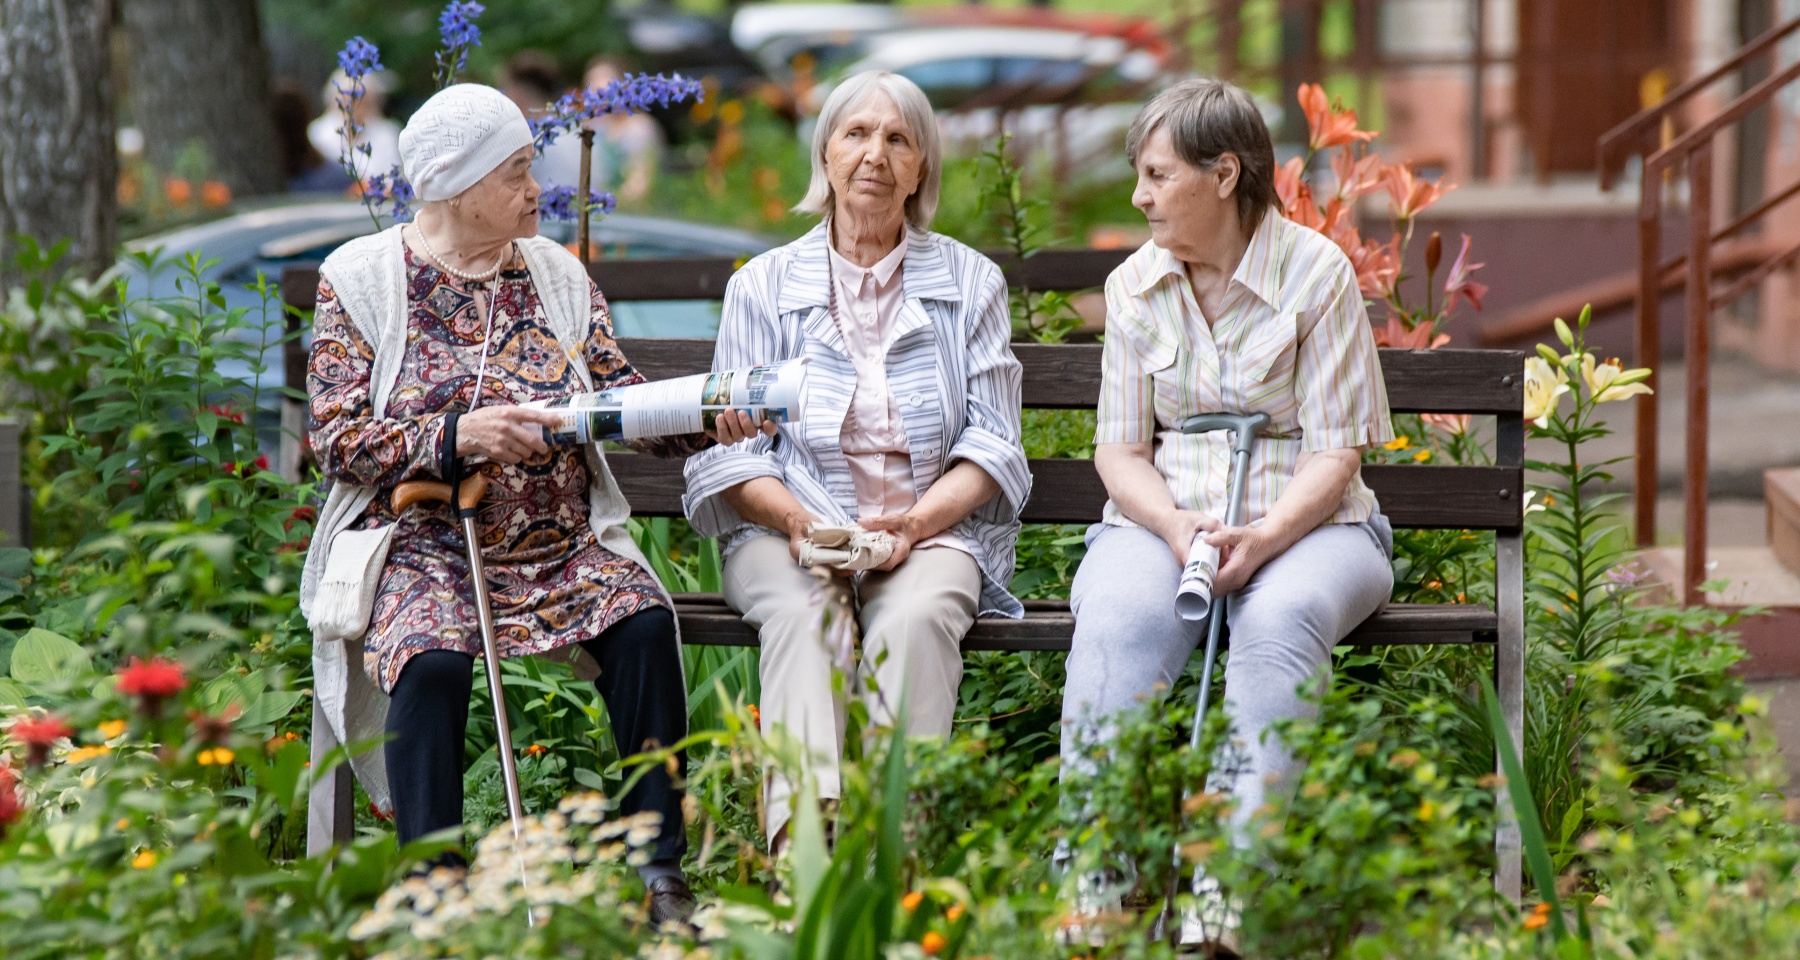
(1509, 685)
(330, 818)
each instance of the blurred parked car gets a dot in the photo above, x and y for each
(1068, 92)
(269, 240)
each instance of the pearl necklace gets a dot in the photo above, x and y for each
(505, 254)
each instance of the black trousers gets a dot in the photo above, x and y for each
(641, 681)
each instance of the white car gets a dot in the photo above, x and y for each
(1057, 89)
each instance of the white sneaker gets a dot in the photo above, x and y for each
(1209, 924)
(1099, 907)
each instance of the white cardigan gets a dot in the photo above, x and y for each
(368, 275)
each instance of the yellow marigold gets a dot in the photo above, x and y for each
(80, 754)
(1422, 456)
(123, 823)
(144, 860)
(218, 756)
(1398, 443)
(112, 729)
(954, 913)
(932, 942)
(912, 900)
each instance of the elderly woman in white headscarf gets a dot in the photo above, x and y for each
(428, 339)
(910, 428)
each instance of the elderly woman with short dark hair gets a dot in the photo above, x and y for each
(1229, 307)
(910, 427)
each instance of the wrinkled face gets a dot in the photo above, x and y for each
(1184, 204)
(504, 204)
(873, 159)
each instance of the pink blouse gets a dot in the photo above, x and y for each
(874, 437)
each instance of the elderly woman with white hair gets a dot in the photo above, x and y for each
(910, 427)
(428, 340)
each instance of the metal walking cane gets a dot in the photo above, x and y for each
(465, 501)
(1244, 428)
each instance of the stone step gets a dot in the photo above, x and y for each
(1781, 488)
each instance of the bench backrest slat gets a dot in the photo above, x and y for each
(1070, 491)
(1067, 376)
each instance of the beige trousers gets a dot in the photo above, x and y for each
(911, 622)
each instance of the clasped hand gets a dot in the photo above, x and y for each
(1242, 550)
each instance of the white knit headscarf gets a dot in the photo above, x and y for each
(460, 135)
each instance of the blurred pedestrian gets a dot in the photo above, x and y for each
(627, 146)
(303, 168)
(533, 81)
(328, 132)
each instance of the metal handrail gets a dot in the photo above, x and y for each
(1694, 149)
(1650, 118)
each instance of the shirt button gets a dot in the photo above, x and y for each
(918, 399)
(880, 455)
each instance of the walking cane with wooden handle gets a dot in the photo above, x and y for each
(466, 503)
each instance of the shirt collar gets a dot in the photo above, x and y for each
(883, 270)
(1256, 269)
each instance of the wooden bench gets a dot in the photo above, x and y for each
(1067, 377)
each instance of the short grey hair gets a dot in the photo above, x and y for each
(915, 110)
(1207, 119)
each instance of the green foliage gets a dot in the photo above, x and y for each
(1047, 317)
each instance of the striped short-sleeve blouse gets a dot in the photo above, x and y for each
(1293, 341)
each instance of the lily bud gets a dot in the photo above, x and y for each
(1434, 254)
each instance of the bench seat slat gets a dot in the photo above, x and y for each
(1047, 625)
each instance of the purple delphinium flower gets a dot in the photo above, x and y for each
(628, 94)
(457, 30)
(558, 203)
(358, 59)
(389, 189)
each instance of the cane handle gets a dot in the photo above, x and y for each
(420, 491)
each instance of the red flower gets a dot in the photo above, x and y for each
(11, 807)
(379, 813)
(260, 463)
(227, 412)
(152, 681)
(300, 515)
(39, 734)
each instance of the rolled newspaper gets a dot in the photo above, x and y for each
(684, 405)
(1194, 597)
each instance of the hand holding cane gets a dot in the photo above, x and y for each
(464, 496)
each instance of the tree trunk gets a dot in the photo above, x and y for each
(58, 166)
(200, 76)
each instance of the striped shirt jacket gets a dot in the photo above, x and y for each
(1292, 341)
(950, 368)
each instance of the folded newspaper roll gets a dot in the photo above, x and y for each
(1194, 597)
(684, 405)
(846, 547)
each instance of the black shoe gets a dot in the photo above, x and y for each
(670, 899)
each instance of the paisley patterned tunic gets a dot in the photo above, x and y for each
(551, 582)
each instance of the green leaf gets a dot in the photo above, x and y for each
(13, 693)
(589, 779)
(44, 657)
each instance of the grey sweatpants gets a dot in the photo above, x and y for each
(1130, 644)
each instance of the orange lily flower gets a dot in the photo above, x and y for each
(1327, 128)
(1396, 336)
(1411, 194)
(1356, 176)
(1288, 184)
